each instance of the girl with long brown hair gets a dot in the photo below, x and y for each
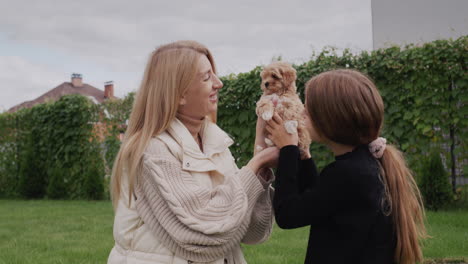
(365, 206)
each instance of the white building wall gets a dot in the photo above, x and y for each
(416, 21)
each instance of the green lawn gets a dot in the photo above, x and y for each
(81, 232)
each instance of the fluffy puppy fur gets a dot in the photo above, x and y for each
(279, 95)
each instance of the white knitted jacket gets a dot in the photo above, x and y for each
(198, 223)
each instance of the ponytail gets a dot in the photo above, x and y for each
(405, 205)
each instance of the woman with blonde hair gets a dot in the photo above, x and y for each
(364, 207)
(177, 193)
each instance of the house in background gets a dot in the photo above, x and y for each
(75, 86)
(401, 22)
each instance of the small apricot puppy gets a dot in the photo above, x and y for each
(279, 95)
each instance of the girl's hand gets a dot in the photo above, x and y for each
(278, 134)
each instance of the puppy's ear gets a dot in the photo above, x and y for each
(262, 74)
(289, 75)
(262, 78)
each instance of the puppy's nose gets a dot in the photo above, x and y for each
(266, 84)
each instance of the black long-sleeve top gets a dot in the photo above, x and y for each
(342, 205)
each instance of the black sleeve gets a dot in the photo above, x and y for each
(308, 175)
(294, 209)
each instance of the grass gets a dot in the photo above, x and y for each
(81, 232)
(55, 231)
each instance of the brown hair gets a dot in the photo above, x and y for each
(345, 107)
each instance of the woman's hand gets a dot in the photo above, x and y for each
(259, 135)
(278, 134)
(267, 158)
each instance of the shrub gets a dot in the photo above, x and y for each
(112, 146)
(56, 188)
(435, 186)
(33, 178)
(93, 186)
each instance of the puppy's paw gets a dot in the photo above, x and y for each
(267, 115)
(269, 142)
(291, 126)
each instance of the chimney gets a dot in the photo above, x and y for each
(108, 90)
(76, 80)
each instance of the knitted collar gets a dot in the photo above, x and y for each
(214, 139)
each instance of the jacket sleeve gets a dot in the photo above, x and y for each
(261, 223)
(195, 220)
(209, 211)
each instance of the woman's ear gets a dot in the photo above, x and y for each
(182, 101)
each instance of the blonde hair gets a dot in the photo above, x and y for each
(169, 72)
(346, 107)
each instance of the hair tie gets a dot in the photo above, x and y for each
(377, 147)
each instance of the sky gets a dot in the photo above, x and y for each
(43, 42)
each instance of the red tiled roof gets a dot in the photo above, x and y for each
(61, 90)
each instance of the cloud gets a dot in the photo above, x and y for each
(117, 36)
(22, 80)
(109, 31)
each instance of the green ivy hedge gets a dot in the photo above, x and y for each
(424, 89)
(50, 150)
(51, 146)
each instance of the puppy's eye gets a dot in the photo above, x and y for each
(275, 77)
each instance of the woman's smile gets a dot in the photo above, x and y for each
(214, 97)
